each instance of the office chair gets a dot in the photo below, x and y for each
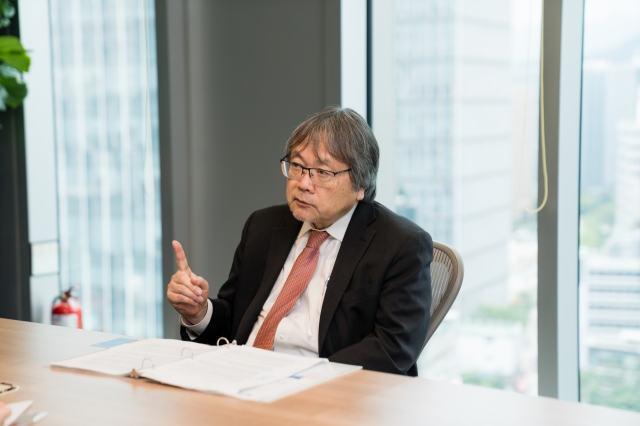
(447, 272)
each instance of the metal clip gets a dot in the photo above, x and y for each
(234, 343)
(147, 359)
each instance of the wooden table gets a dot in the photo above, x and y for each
(364, 397)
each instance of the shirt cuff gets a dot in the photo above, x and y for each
(194, 330)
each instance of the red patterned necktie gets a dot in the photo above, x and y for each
(297, 281)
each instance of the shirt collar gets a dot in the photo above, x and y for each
(336, 230)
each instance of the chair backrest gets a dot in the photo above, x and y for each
(447, 272)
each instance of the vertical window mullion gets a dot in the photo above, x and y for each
(558, 222)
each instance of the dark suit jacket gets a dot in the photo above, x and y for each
(376, 308)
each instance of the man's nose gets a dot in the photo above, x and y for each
(305, 181)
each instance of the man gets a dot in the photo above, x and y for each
(332, 274)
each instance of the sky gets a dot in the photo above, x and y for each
(610, 24)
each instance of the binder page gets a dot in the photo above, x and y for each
(120, 360)
(231, 369)
(300, 381)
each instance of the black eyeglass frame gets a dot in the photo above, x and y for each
(284, 160)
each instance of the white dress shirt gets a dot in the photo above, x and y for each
(297, 333)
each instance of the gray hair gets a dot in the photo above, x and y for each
(348, 138)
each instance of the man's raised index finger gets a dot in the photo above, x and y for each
(181, 258)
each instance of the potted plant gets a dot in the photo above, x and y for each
(14, 60)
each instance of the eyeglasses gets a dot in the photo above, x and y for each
(319, 177)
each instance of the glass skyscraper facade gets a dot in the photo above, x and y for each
(453, 117)
(610, 206)
(107, 154)
(465, 146)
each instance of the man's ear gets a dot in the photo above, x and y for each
(360, 194)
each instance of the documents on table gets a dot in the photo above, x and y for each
(231, 369)
(120, 360)
(300, 381)
(240, 371)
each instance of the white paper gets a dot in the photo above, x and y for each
(241, 371)
(300, 381)
(17, 408)
(231, 369)
(120, 360)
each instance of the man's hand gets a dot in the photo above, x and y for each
(187, 292)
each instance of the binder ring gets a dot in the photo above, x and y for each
(182, 352)
(234, 343)
(150, 360)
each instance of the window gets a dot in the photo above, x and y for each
(610, 206)
(463, 132)
(102, 102)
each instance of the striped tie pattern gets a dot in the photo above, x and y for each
(296, 283)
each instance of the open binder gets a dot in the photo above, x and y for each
(239, 371)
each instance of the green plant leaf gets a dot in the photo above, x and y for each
(3, 95)
(9, 71)
(12, 53)
(7, 11)
(14, 91)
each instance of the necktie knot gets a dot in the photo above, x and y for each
(316, 238)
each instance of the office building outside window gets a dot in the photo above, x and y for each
(465, 148)
(104, 107)
(610, 206)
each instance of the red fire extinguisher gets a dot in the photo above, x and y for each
(66, 310)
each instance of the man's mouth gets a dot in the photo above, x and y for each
(302, 203)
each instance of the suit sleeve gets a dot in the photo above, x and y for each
(220, 324)
(402, 317)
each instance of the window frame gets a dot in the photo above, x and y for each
(558, 222)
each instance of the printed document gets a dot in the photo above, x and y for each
(240, 371)
(120, 360)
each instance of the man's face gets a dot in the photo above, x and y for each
(318, 205)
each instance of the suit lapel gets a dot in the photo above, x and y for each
(282, 240)
(355, 243)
